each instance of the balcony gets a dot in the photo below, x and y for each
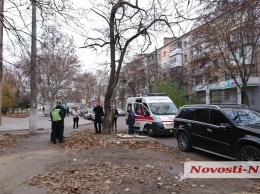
(197, 72)
(176, 51)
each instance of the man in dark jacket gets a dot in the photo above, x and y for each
(99, 113)
(130, 120)
(57, 120)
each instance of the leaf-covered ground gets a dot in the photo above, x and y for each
(7, 140)
(110, 165)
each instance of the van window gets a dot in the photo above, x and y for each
(165, 108)
(139, 109)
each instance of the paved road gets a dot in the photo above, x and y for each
(172, 142)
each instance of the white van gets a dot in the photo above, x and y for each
(154, 114)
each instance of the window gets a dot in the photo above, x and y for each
(202, 115)
(227, 95)
(185, 44)
(227, 77)
(217, 117)
(139, 109)
(185, 58)
(198, 80)
(243, 116)
(164, 53)
(215, 62)
(186, 114)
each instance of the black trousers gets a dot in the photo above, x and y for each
(114, 123)
(57, 131)
(97, 125)
(76, 122)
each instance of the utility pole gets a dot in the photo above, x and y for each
(33, 81)
(1, 55)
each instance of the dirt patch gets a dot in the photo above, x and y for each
(107, 164)
(8, 140)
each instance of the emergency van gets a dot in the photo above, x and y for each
(154, 114)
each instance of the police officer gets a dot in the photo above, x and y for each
(59, 106)
(57, 118)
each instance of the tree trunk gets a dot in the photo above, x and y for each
(245, 95)
(108, 113)
(1, 55)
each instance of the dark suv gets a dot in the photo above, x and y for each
(231, 131)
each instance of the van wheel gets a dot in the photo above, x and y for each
(183, 142)
(249, 153)
(150, 131)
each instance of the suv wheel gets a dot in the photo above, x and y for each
(183, 142)
(249, 153)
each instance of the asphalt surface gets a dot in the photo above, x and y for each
(43, 123)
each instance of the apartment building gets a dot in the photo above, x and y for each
(218, 62)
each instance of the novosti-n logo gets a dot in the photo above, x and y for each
(221, 169)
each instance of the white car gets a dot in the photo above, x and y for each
(88, 115)
(121, 112)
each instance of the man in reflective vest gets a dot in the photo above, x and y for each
(57, 116)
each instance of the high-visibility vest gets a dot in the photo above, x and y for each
(55, 113)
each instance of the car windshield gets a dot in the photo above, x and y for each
(166, 108)
(243, 116)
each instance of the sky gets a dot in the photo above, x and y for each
(91, 59)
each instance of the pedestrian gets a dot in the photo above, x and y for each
(130, 120)
(59, 106)
(57, 119)
(43, 109)
(67, 110)
(99, 113)
(75, 114)
(115, 116)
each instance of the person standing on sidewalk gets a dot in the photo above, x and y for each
(57, 117)
(75, 114)
(59, 106)
(99, 113)
(115, 116)
(130, 120)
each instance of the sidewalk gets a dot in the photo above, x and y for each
(43, 122)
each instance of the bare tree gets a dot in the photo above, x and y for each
(229, 43)
(125, 22)
(85, 85)
(58, 65)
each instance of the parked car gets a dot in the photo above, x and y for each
(231, 131)
(121, 112)
(82, 112)
(89, 114)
